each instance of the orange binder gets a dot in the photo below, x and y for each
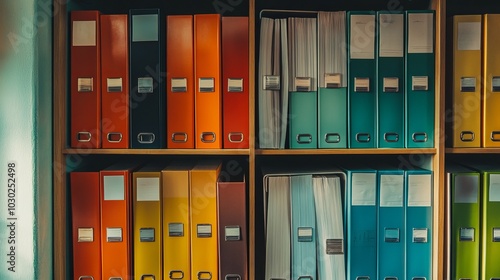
(114, 81)
(235, 82)
(180, 82)
(208, 96)
(116, 222)
(85, 224)
(85, 93)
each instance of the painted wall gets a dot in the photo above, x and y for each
(26, 138)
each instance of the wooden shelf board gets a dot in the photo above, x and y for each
(292, 152)
(157, 151)
(473, 150)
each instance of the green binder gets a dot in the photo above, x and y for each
(490, 268)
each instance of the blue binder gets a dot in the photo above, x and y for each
(147, 91)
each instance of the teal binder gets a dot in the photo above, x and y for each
(362, 86)
(302, 118)
(390, 78)
(419, 79)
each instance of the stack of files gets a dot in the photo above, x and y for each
(464, 222)
(362, 83)
(332, 78)
(303, 79)
(466, 127)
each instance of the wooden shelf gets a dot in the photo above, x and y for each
(218, 152)
(292, 152)
(472, 150)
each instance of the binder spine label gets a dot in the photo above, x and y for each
(145, 85)
(303, 83)
(85, 84)
(469, 36)
(420, 235)
(391, 84)
(206, 84)
(148, 189)
(420, 83)
(467, 84)
(145, 28)
(361, 84)
(114, 234)
(235, 84)
(363, 189)
(333, 80)
(362, 37)
(305, 234)
(85, 235)
(466, 189)
(419, 191)
(147, 234)
(494, 189)
(204, 230)
(114, 84)
(84, 33)
(391, 235)
(421, 33)
(467, 234)
(114, 187)
(334, 246)
(391, 35)
(232, 233)
(178, 84)
(175, 230)
(271, 82)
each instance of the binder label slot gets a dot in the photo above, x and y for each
(232, 233)
(148, 189)
(391, 235)
(420, 83)
(178, 84)
(204, 230)
(469, 36)
(303, 83)
(235, 84)
(114, 187)
(467, 136)
(391, 35)
(145, 28)
(333, 80)
(467, 84)
(363, 189)
(175, 229)
(305, 234)
(419, 190)
(114, 84)
(362, 37)
(496, 234)
(147, 234)
(206, 84)
(271, 82)
(145, 85)
(361, 84)
(85, 84)
(391, 84)
(495, 84)
(420, 235)
(466, 189)
(494, 188)
(467, 234)
(84, 33)
(114, 234)
(85, 235)
(391, 191)
(232, 277)
(420, 33)
(334, 246)
(114, 137)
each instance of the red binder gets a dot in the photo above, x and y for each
(180, 82)
(85, 80)
(114, 81)
(85, 225)
(235, 82)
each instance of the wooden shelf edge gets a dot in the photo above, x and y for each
(156, 151)
(291, 152)
(472, 150)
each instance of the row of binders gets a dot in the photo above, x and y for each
(124, 95)
(347, 80)
(175, 222)
(476, 81)
(355, 223)
(473, 221)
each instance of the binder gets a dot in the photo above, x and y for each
(332, 91)
(86, 229)
(418, 201)
(467, 87)
(391, 224)
(362, 85)
(464, 191)
(491, 80)
(235, 61)
(176, 222)
(147, 222)
(116, 219)
(114, 81)
(204, 225)
(490, 244)
(180, 82)
(147, 92)
(390, 78)
(85, 92)
(207, 70)
(233, 240)
(419, 79)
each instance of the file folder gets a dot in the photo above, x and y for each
(85, 92)
(116, 219)
(147, 222)
(207, 69)
(204, 225)
(176, 221)
(464, 192)
(114, 81)
(490, 247)
(180, 82)
(233, 240)
(332, 91)
(86, 228)
(419, 79)
(418, 201)
(391, 224)
(467, 87)
(491, 81)
(362, 87)
(235, 61)
(390, 78)
(147, 92)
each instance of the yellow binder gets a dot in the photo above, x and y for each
(176, 233)
(147, 223)
(203, 201)
(467, 81)
(491, 82)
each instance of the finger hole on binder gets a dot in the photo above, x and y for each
(176, 274)
(148, 277)
(146, 138)
(179, 137)
(363, 278)
(304, 138)
(363, 137)
(114, 137)
(467, 136)
(83, 136)
(305, 277)
(332, 138)
(419, 137)
(232, 277)
(391, 137)
(207, 137)
(204, 275)
(495, 136)
(86, 277)
(235, 137)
